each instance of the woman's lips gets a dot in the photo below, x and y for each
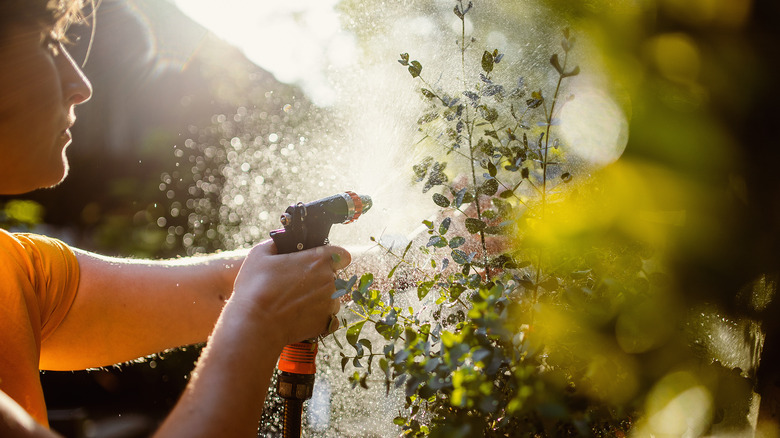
(66, 136)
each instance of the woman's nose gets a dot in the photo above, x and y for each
(75, 85)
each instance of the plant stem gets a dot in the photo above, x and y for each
(463, 45)
(470, 130)
(547, 134)
(548, 117)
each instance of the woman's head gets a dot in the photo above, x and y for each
(39, 87)
(53, 16)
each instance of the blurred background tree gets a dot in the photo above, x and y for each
(700, 77)
(699, 84)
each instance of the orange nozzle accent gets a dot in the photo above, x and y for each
(358, 206)
(298, 358)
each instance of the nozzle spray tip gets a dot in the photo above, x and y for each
(367, 203)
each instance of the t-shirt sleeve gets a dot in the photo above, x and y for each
(54, 273)
(39, 277)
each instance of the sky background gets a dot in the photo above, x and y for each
(296, 41)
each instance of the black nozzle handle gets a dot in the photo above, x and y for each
(308, 225)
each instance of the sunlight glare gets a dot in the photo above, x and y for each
(594, 126)
(297, 41)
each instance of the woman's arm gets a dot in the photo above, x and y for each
(15, 422)
(126, 309)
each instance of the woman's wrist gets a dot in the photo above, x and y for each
(242, 317)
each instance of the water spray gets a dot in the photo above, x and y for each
(307, 226)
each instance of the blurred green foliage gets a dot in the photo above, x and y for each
(18, 213)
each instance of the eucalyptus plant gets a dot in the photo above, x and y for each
(463, 357)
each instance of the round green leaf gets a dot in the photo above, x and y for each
(474, 225)
(441, 200)
(415, 68)
(489, 187)
(456, 242)
(487, 61)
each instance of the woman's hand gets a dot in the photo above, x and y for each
(290, 293)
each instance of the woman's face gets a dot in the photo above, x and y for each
(39, 87)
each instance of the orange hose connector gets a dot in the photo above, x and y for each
(298, 358)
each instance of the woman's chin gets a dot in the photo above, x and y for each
(54, 177)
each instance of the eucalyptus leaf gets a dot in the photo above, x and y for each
(392, 271)
(456, 242)
(480, 354)
(474, 225)
(423, 289)
(436, 176)
(473, 97)
(445, 225)
(459, 257)
(489, 114)
(344, 362)
(489, 187)
(436, 242)
(459, 197)
(408, 245)
(366, 280)
(428, 93)
(421, 169)
(555, 63)
(487, 62)
(441, 200)
(415, 68)
(344, 287)
(533, 103)
(573, 72)
(353, 332)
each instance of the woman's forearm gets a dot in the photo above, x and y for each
(125, 309)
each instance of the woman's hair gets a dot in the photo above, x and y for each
(52, 15)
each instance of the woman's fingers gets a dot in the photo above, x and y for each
(294, 290)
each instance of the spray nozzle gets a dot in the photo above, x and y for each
(308, 225)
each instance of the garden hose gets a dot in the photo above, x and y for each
(307, 226)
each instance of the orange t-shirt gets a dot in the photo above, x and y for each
(39, 277)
